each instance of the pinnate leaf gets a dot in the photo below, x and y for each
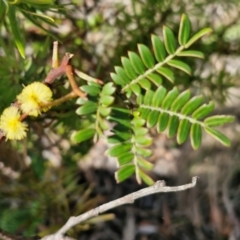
(171, 96)
(128, 68)
(167, 73)
(169, 40)
(162, 122)
(219, 120)
(196, 135)
(181, 100)
(218, 136)
(83, 135)
(180, 65)
(155, 78)
(136, 62)
(183, 131)
(124, 172)
(87, 108)
(203, 111)
(119, 149)
(197, 36)
(173, 126)
(159, 95)
(146, 56)
(125, 158)
(158, 48)
(148, 180)
(184, 30)
(192, 105)
(191, 53)
(108, 89)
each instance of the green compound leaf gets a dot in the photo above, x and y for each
(16, 30)
(144, 83)
(108, 89)
(181, 100)
(136, 62)
(196, 135)
(106, 100)
(143, 152)
(87, 108)
(144, 112)
(162, 122)
(173, 126)
(116, 79)
(203, 111)
(127, 65)
(218, 136)
(125, 158)
(171, 96)
(167, 73)
(180, 65)
(158, 48)
(197, 36)
(191, 53)
(219, 120)
(138, 122)
(159, 95)
(119, 149)
(136, 89)
(143, 141)
(148, 97)
(169, 40)
(124, 172)
(103, 126)
(184, 30)
(122, 75)
(83, 135)
(192, 105)
(183, 131)
(144, 164)
(148, 180)
(152, 119)
(140, 131)
(155, 78)
(146, 56)
(104, 111)
(91, 90)
(117, 139)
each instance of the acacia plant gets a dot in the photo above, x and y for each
(142, 95)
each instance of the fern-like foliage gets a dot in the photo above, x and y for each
(181, 115)
(130, 141)
(147, 69)
(147, 103)
(97, 108)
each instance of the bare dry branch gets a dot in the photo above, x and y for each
(158, 187)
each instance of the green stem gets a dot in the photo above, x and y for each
(60, 100)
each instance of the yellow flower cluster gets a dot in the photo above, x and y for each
(33, 97)
(11, 125)
(32, 100)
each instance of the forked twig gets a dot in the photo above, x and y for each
(158, 187)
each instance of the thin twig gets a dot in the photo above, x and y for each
(75, 88)
(159, 186)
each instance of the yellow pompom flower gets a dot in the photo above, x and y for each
(33, 97)
(11, 125)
